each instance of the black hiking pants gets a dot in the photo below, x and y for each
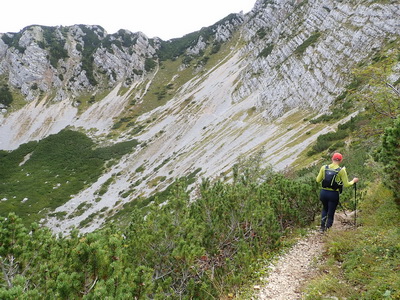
(330, 200)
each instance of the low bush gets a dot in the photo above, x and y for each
(308, 42)
(181, 249)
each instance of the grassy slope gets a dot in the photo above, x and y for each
(363, 263)
(43, 175)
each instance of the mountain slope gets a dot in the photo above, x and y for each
(245, 84)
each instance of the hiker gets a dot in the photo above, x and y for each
(333, 178)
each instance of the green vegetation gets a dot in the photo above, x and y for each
(308, 42)
(334, 140)
(123, 217)
(121, 39)
(266, 51)
(261, 33)
(389, 155)
(170, 76)
(380, 94)
(85, 100)
(370, 89)
(163, 88)
(91, 43)
(54, 44)
(12, 40)
(43, 175)
(363, 263)
(176, 250)
(6, 97)
(149, 64)
(176, 47)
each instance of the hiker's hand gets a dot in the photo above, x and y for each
(355, 179)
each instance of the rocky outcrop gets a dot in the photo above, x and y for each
(71, 60)
(294, 74)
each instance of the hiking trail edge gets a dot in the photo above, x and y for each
(293, 268)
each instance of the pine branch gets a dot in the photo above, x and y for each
(5, 274)
(393, 88)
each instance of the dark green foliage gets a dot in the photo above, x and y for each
(176, 47)
(266, 51)
(6, 97)
(389, 155)
(335, 115)
(178, 250)
(149, 64)
(54, 44)
(187, 59)
(13, 41)
(325, 140)
(397, 82)
(121, 122)
(342, 96)
(354, 84)
(363, 262)
(334, 140)
(108, 42)
(137, 72)
(128, 39)
(91, 43)
(216, 47)
(56, 167)
(326, 8)
(95, 266)
(121, 39)
(261, 33)
(308, 42)
(116, 150)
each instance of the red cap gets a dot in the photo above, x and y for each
(337, 156)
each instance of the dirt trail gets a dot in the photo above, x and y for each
(293, 268)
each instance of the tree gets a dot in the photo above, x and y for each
(389, 155)
(379, 93)
(5, 95)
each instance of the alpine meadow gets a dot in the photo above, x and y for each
(137, 168)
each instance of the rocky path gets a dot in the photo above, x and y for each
(292, 269)
(296, 266)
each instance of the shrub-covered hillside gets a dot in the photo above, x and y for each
(40, 176)
(175, 249)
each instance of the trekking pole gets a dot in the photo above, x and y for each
(341, 206)
(355, 204)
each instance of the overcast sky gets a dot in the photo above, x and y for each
(163, 18)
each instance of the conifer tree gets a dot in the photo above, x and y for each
(389, 155)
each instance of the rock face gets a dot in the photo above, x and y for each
(295, 76)
(245, 84)
(70, 60)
